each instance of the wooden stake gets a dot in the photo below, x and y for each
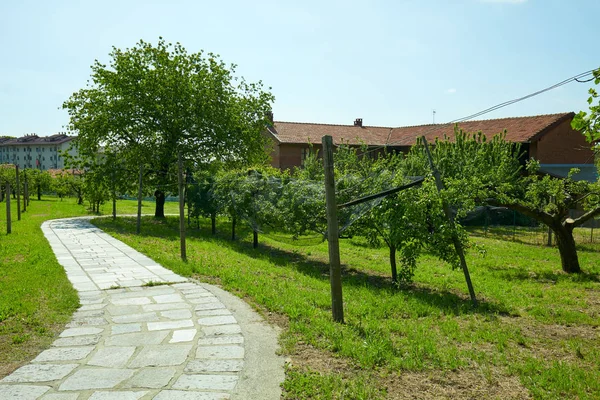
(457, 245)
(114, 195)
(8, 219)
(25, 191)
(335, 272)
(139, 210)
(18, 190)
(181, 208)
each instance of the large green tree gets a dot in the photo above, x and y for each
(155, 102)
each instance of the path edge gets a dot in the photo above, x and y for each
(263, 371)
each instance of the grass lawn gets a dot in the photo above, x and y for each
(535, 333)
(36, 298)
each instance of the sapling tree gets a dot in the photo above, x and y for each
(251, 196)
(481, 171)
(201, 198)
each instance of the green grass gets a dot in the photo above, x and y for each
(36, 298)
(534, 323)
(536, 328)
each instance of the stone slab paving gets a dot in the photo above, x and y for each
(174, 340)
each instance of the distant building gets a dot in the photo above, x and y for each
(547, 138)
(39, 152)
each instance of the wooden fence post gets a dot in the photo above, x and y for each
(18, 189)
(181, 208)
(457, 245)
(335, 273)
(114, 194)
(138, 228)
(25, 191)
(8, 219)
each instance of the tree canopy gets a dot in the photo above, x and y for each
(152, 103)
(589, 124)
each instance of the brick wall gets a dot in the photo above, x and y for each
(562, 145)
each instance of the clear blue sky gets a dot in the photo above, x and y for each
(388, 62)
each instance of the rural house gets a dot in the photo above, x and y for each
(547, 138)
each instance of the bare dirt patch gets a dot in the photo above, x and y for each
(462, 384)
(478, 383)
(17, 258)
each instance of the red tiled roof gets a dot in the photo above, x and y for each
(57, 171)
(519, 129)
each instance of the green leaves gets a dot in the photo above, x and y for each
(589, 124)
(152, 102)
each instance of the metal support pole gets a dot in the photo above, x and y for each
(335, 273)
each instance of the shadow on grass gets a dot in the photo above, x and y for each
(450, 303)
(583, 245)
(510, 273)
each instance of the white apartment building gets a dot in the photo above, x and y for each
(33, 151)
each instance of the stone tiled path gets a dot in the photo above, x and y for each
(129, 340)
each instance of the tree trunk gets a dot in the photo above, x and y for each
(566, 247)
(39, 192)
(213, 220)
(233, 228)
(393, 263)
(255, 239)
(160, 204)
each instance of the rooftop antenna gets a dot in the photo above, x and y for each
(434, 117)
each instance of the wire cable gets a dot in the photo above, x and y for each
(493, 108)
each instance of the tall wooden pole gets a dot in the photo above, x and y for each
(138, 228)
(8, 218)
(18, 189)
(457, 245)
(25, 191)
(114, 195)
(335, 272)
(181, 208)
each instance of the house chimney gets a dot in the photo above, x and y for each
(358, 122)
(269, 115)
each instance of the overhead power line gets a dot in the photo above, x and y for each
(575, 78)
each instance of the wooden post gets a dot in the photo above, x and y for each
(549, 242)
(514, 224)
(114, 194)
(457, 245)
(25, 191)
(18, 190)
(335, 272)
(138, 228)
(181, 208)
(8, 220)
